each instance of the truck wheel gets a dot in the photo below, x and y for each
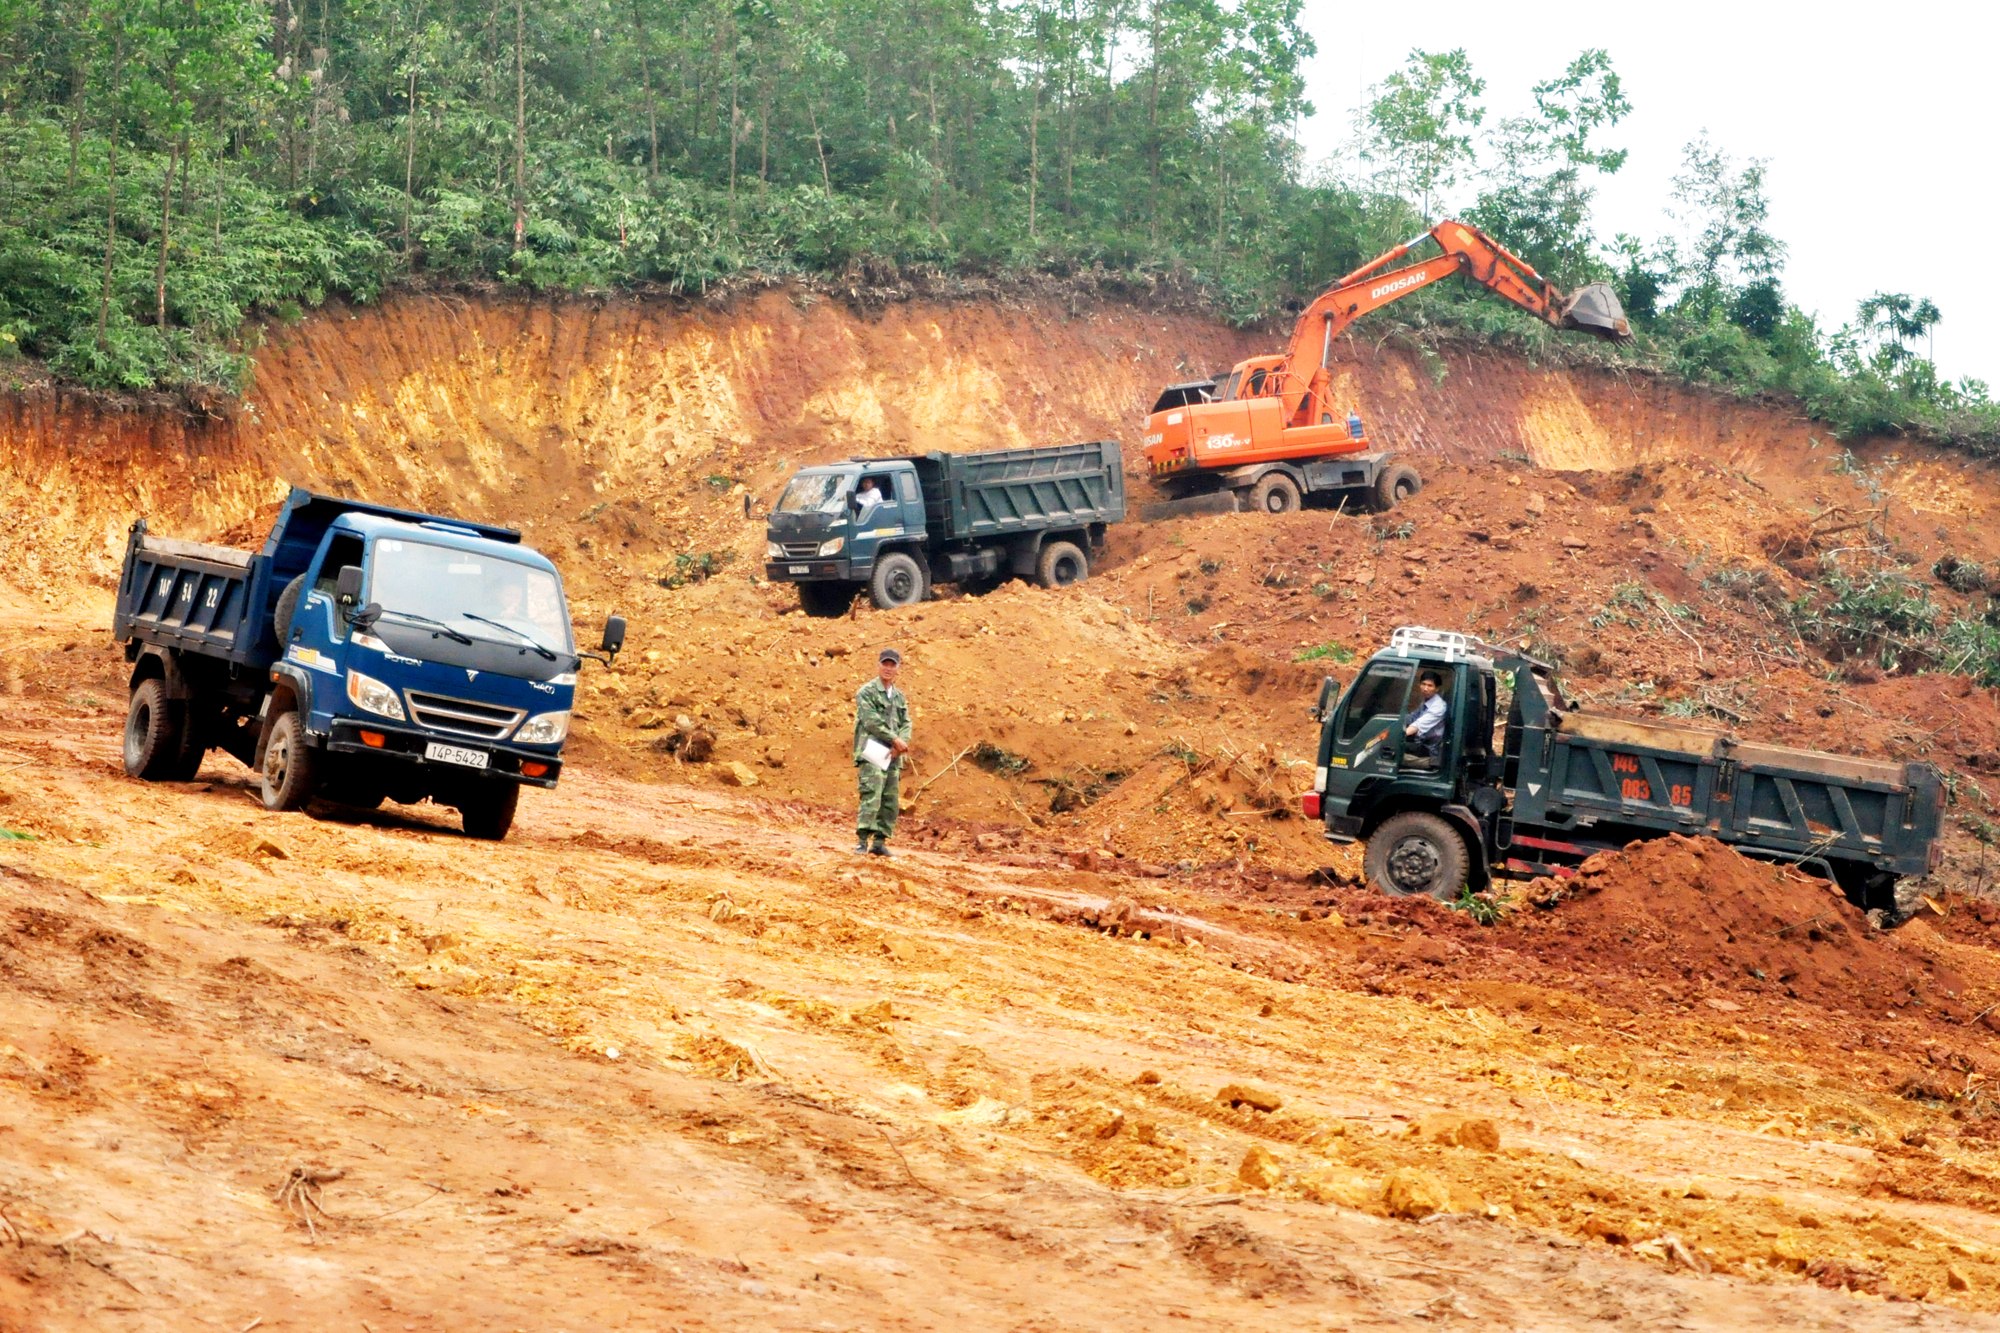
(1395, 485)
(152, 738)
(1275, 494)
(487, 811)
(288, 603)
(898, 581)
(193, 746)
(826, 600)
(1060, 565)
(290, 765)
(1416, 853)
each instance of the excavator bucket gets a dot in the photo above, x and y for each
(1595, 310)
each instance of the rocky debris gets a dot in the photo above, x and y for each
(737, 774)
(1412, 1192)
(1260, 1169)
(1460, 1131)
(1243, 1094)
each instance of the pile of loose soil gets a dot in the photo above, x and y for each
(1694, 916)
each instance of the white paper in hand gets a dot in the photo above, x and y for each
(876, 753)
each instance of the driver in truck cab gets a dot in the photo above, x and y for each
(867, 498)
(1425, 723)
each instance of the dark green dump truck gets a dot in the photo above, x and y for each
(1521, 783)
(893, 526)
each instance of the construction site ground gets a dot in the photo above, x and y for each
(1116, 1040)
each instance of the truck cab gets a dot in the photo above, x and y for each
(430, 644)
(825, 527)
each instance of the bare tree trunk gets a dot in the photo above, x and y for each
(111, 210)
(218, 192)
(937, 168)
(1153, 132)
(825, 178)
(410, 167)
(76, 121)
(1034, 149)
(166, 223)
(735, 126)
(520, 127)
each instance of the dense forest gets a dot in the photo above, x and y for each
(173, 170)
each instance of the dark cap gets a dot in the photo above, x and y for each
(891, 655)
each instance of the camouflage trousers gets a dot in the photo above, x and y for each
(881, 800)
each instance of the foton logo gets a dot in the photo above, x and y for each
(1396, 286)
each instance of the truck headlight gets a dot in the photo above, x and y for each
(366, 692)
(544, 729)
(833, 547)
(773, 551)
(363, 639)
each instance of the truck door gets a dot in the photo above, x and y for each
(910, 499)
(319, 630)
(1368, 733)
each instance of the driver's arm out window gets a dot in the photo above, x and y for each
(1379, 692)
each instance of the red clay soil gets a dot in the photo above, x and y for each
(1697, 917)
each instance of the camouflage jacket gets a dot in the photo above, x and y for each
(881, 713)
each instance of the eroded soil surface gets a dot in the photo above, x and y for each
(1116, 1040)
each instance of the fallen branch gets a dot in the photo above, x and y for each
(946, 769)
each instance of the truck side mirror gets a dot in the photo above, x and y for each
(347, 585)
(614, 635)
(1329, 691)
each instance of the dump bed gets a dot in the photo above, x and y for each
(195, 597)
(1797, 804)
(1005, 491)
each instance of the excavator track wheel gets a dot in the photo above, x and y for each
(1395, 485)
(1276, 493)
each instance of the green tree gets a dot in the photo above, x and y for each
(1418, 127)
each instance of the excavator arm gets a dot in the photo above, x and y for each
(1468, 251)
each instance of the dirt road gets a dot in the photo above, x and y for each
(673, 1059)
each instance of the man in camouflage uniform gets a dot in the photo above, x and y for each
(881, 713)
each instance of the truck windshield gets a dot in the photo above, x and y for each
(444, 584)
(823, 492)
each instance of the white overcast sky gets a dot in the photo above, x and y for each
(1877, 122)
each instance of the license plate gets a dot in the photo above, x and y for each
(800, 569)
(456, 754)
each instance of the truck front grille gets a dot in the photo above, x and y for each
(463, 717)
(800, 550)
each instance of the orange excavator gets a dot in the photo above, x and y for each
(1269, 435)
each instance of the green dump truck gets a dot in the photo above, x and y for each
(893, 526)
(1521, 783)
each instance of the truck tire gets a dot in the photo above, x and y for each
(288, 603)
(193, 743)
(152, 733)
(291, 767)
(487, 810)
(1061, 564)
(898, 581)
(826, 600)
(1276, 493)
(1395, 485)
(1416, 853)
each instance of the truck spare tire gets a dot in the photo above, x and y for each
(288, 602)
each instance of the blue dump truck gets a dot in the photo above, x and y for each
(1521, 783)
(893, 526)
(365, 653)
